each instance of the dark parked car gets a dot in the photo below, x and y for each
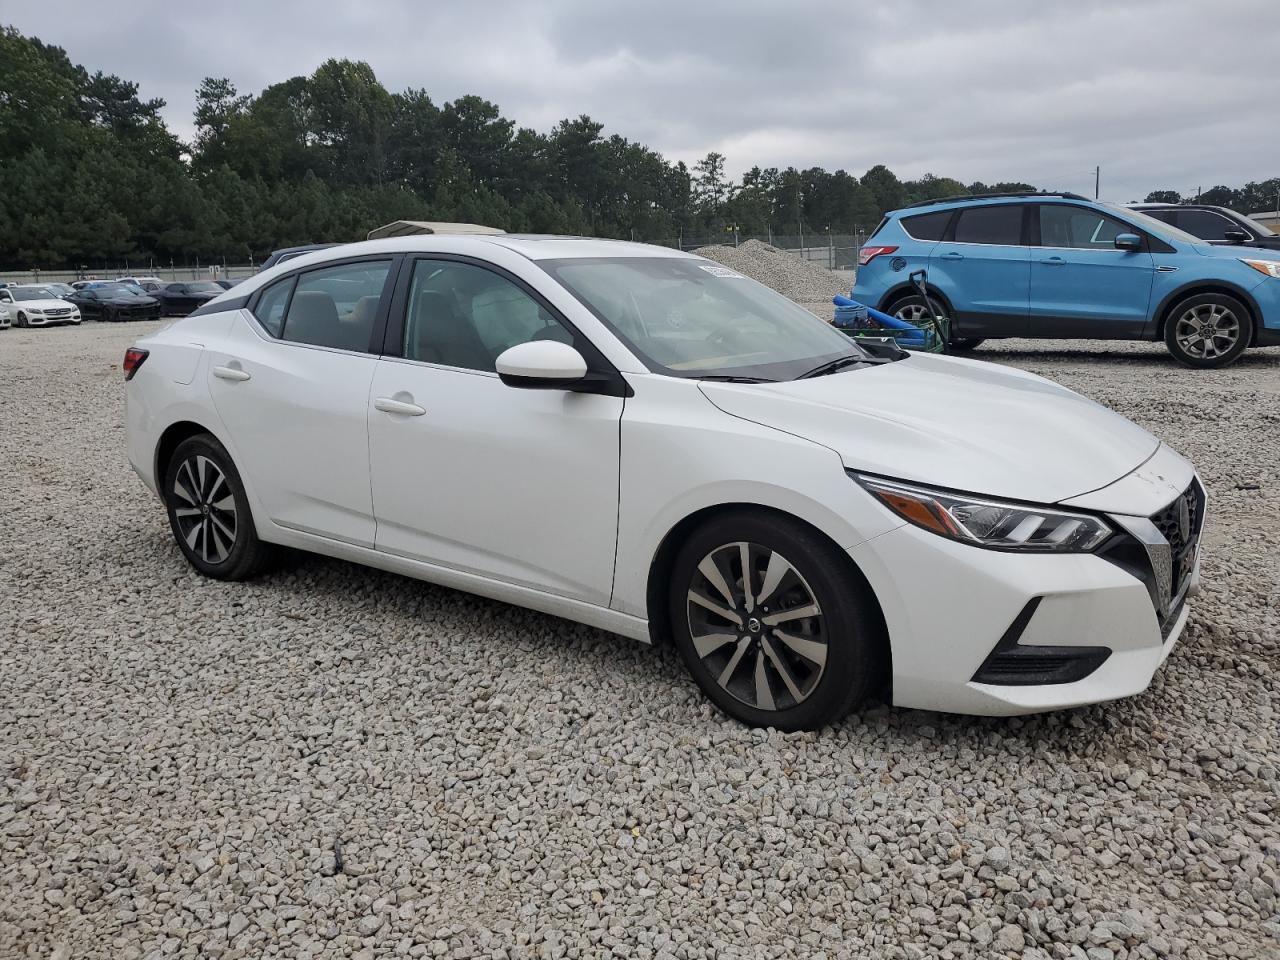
(288, 253)
(228, 284)
(180, 298)
(1219, 225)
(115, 301)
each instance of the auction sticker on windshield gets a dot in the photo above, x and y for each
(718, 271)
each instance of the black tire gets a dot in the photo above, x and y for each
(203, 536)
(916, 309)
(1227, 322)
(847, 636)
(22, 319)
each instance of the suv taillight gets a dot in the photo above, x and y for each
(867, 254)
(133, 358)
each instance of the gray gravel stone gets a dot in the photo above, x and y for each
(183, 763)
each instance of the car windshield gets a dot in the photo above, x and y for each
(203, 286)
(694, 318)
(1262, 228)
(116, 289)
(32, 293)
(1161, 229)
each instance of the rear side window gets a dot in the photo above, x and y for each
(335, 307)
(1165, 216)
(272, 304)
(997, 225)
(927, 226)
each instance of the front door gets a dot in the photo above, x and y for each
(1081, 284)
(515, 484)
(984, 269)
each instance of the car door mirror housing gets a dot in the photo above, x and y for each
(541, 365)
(1128, 241)
(1236, 236)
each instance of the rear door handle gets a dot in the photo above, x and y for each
(1054, 262)
(231, 372)
(402, 407)
(951, 256)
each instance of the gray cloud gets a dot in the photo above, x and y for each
(1161, 93)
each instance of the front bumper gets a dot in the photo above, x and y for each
(951, 614)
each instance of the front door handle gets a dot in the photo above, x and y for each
(402, 407)
(1054, 262)
(231, 372)
(951, 256)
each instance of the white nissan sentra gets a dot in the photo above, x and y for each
(650, 443)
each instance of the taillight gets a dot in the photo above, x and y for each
(867, 254)
(133, 358)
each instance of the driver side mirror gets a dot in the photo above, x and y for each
(1236, 236)
(541, 365)
(1128, 241)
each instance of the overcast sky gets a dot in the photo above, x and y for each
(1161, 93)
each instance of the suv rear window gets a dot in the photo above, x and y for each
(927, 226)
(999, 225)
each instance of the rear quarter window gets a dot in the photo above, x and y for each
(927, 226)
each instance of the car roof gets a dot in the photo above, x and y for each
(531, 246)
(986, 199)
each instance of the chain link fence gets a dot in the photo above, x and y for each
(215, 271)
(835, 251)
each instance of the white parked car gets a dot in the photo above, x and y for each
(5, 320)
(647, 442)
(33, 305)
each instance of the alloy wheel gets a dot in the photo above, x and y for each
(1207, 331)
(205, 509)
(756, 625)
(913, 313)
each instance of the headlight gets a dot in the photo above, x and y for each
(35, 311)
(989, 523)
(1269, 267)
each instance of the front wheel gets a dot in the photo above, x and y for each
(209, 512)
(1208, 330)
(22, 319)
(773, 622)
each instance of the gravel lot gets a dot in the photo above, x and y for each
(337, 762)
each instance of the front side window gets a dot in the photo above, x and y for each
(1079, 228)
(335, 306)
(693, 318)
(1000, 225)
(462, 315)
(1206, 224)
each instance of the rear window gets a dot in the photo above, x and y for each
(927, 226)
(997, 225)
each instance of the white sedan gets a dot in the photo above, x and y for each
(34, 305)
(647, 442)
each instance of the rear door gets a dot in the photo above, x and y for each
(1081, 284)
(984, 267)
(291, 384)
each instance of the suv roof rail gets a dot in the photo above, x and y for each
(995, 196)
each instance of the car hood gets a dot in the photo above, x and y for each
(1233, 252)
(39, 305)
(951, 422)
(129, 300)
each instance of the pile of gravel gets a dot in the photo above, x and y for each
(331, 761)
(806, 283)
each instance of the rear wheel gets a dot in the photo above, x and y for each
(916, 311)
(1208, 330)
(773, 623)
(209, 512)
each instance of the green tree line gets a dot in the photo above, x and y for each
(90, 175)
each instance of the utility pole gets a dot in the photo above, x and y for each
(800, 217)
(1097, 181)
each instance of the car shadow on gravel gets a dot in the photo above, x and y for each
(1155, 359)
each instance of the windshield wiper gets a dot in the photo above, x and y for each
(831, 366)
(727, 378)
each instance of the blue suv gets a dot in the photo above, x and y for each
(1059, 265)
